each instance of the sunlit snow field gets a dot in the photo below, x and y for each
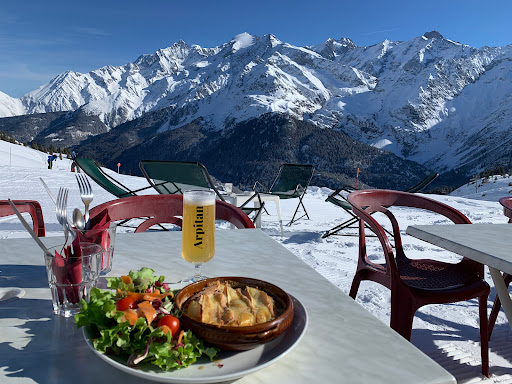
(448, 333)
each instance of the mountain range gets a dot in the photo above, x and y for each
(428, 103)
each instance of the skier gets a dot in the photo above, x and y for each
(50, 160)
(73, 163)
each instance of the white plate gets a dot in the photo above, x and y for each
(10, 294)
(234, 364)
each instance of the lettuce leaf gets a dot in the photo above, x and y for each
(141, 342)
(142, 281)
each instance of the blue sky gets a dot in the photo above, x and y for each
(40, 39)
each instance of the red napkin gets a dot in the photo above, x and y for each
(98, 234)
(68, 270)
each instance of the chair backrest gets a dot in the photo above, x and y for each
(159, 209)
(506, 202)
(423, 183)
(30, 206)
(292, 179)
(175, 177)
(94, 171)
(366, 202)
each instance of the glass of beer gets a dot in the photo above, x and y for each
(198, 243)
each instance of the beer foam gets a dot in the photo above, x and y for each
(199, 199)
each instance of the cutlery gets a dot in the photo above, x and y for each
(70, 224)
(86, 194)
(62, 213)
(48, 191)
(78, 219)
(30, 231)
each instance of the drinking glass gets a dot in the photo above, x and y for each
(71, 279)
(198, 243)
(106, 238)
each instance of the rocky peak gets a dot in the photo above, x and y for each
(433, 35)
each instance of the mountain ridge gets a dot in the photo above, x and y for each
(420, 99)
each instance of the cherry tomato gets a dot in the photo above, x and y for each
(126, 303)
(172, 322)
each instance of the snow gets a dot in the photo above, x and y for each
(10, 106)
(243, 40)
(447, 333)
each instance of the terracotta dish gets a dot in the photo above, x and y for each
(238, 338)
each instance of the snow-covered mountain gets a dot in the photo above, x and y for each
(429, 99)
(9, 106)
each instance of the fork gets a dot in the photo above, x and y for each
(62, 212)
(86, 194)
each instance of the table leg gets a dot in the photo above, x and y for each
(502, 291)
(257, 223)
(278, 206)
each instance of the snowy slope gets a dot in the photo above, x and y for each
(447, 333)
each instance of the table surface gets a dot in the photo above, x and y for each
(489, 244)
(343, 341)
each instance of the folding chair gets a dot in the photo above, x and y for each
(108, 183)
(423, 183)
(32, 207)
(291, 182)
(175, 177)
(339, 198)
(105, 181)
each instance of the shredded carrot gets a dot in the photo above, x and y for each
(127, 279)
(145, 304)
(131, 316)
(165, 329)
(181, 336)
(148, 296)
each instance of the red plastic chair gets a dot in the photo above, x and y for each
(415, 283)
(506, 202)
(30, 206)
(159, 209)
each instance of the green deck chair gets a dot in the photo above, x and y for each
(423, 183)
(171, 177)
(107, 182)
(291, 181)
(338, 198)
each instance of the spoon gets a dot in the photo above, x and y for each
(78, 219)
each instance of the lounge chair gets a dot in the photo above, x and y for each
(423, 183)
(107, 182)
(291, 181)
(175, 177)
(339, 198)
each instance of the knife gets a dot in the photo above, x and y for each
(48, 191)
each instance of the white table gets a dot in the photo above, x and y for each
(343, 341)
(239, 198)
(489, 244)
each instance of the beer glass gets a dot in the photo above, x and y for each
(198, 242)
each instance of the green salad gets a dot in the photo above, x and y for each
(135, 319)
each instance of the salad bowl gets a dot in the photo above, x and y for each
(238, 338)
